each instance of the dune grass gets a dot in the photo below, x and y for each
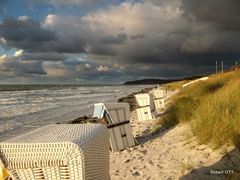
(174, 85)
(212, 107)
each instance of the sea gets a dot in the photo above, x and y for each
(26, 107)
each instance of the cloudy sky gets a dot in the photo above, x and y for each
(112, 41)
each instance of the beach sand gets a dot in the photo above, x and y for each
(169, 154)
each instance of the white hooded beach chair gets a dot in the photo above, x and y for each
(117, 116)
(158, 98)
(146, 110)
(56, 152)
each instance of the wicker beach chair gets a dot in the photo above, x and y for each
(146, 109)
(158, 99)
(117, 118)
(56, 152)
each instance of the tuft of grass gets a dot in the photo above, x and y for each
(175, 85)
(212, 107)
(187, 167)
(179, 111)
(216, 119)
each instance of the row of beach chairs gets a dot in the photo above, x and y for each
(150, 105)
(77, 151)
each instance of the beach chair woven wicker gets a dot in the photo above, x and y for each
(117, 116)
(146, 110)
(158, 98)
(56, 152)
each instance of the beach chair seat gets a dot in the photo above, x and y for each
(146, 110)
(158, 99)
(117, 118)
(56, 152)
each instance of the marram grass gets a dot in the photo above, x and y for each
(212, 107)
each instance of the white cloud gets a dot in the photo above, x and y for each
(129, 18)
(101, 68)
(3, 40)
(154, 25)
(3, 57)
(135, 18)
(24, 18)
(18, 53)
(50, 21)
(87, 66)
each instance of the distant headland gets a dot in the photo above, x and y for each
(159, 81)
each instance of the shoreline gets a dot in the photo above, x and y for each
(18, 125)
(127, 99)
(166, 153)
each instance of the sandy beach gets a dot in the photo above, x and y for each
(169, 154)
(80, 61)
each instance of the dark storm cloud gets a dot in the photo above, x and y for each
(215, 27)
(149, 38)
(25, 34)
(155, 50)
(3, 9)
(101, 49)
(20, 67)
(44, 56)
(138, 36)
(119, 39)
(223, 14)
(102, 75)
(189, 34)
(27, 30)
(28, 68)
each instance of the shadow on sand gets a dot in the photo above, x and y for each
(158, 132)
(153, 135)
(228, 167)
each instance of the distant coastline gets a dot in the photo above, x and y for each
(27, 87)
(158, 81)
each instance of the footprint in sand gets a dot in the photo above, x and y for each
(141, 157)
(127, 161)
(144, 151)
(150, 162)
(136, 173)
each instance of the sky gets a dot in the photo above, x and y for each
(113, 41)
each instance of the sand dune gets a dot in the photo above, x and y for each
(166, 154)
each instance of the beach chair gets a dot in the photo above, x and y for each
(146, 110)
(56, 152)
(117, 117)
(158, 99)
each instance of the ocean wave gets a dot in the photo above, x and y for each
(33, 108)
